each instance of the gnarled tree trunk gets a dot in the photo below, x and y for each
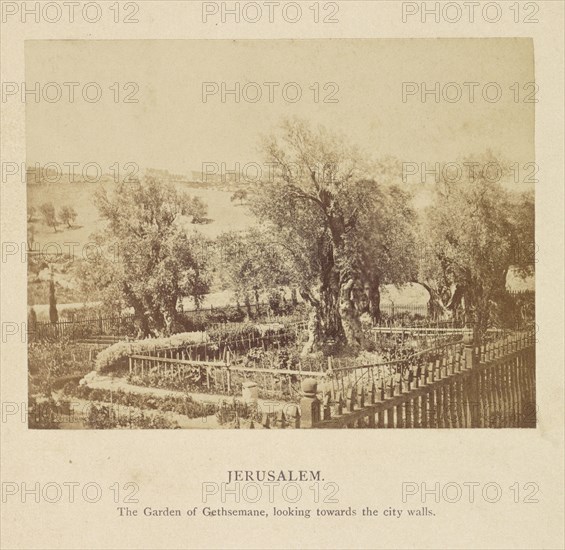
(330, 319)
(140, 316)
(314, 331)
(373, 291)
(349, 316)
(331, 325)
(436, 307)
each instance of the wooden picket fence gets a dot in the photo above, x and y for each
(467, 387)
(116, 326)
(392, 309)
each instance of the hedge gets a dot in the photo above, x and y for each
(116, 355)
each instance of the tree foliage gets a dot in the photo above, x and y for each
(68, 215)
(239, 195)
(253, 262)
(47, 211)
(148, 262)
(475, 231)
(198, 209)
(343, 233)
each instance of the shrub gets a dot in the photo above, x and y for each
(102, 417)
(245, 330)
(55, 359)
(229, 332)
(202, 320)
(47, 414)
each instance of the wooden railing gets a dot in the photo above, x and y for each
(491, 386)
(235, 345)
(219, 376)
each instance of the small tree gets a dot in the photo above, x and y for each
(47, 210)
(31, 320)
(68, 215)
(240, 195)
(198, 210)
(53, 313)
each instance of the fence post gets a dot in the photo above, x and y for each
(250, 392)
(228, 362)
(352, 398)
(327, 406)
(309, 404)
(471, 363)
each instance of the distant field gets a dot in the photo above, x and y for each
(224, 215)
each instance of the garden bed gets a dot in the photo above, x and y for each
(180, 405)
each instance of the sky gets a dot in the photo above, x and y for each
(171, 127)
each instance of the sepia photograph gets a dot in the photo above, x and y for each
(234, 231)
(212, 247)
